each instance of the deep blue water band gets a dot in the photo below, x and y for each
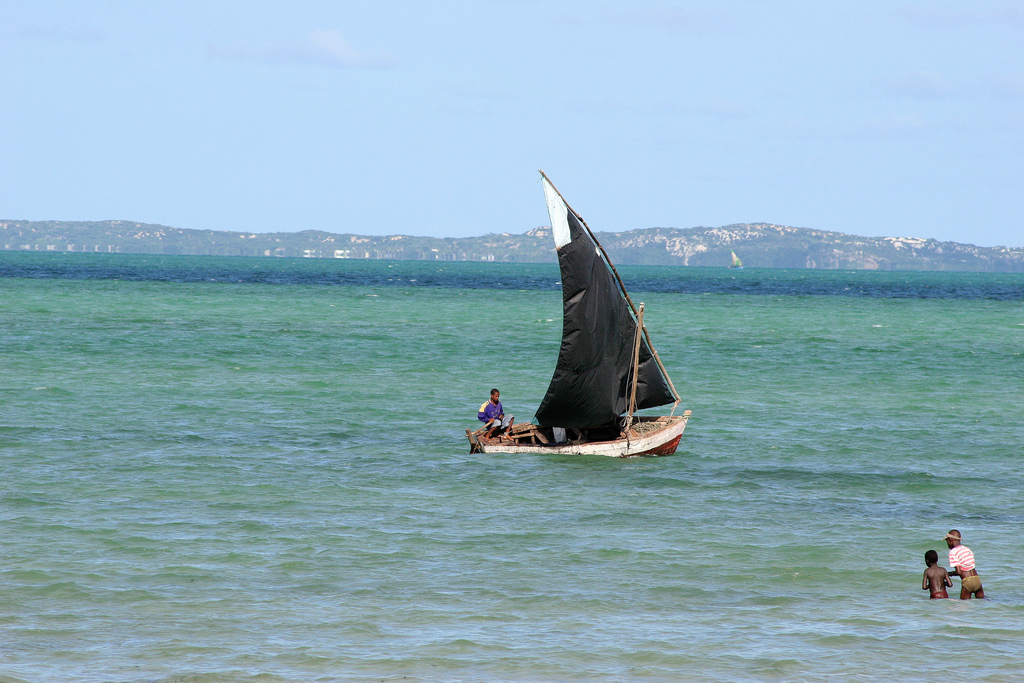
(506, 276)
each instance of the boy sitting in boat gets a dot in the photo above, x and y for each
(493, 415)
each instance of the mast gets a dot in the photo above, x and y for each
(622, 289)
(636, 369)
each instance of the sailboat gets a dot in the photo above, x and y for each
(736, 263)
(607, 368)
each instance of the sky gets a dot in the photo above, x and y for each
(432, 118)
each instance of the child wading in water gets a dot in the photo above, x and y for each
(936, 579)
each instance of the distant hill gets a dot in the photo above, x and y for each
(760, 245)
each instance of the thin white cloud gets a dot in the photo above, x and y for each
(898, 125)
(931, 85)
(964, 13)
(885, 126)
(70, 35)
(707, 108)
(600, 106)
(920, 85)
(475, 91)
(722, 109)
(676, 18)
(472, 110)
(321, 47)
(1009, 86)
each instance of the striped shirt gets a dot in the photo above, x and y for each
(962, 557)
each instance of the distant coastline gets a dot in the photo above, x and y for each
(760, 245)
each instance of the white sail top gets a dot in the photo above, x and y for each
(557, 211)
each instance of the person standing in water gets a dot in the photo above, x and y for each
(935, 577)
(961, 562)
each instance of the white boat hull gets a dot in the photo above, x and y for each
(660, 441)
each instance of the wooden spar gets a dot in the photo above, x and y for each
(636, 368)
(622, 288)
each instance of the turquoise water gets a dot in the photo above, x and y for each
(267, 479)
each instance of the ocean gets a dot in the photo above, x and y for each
(256, 470)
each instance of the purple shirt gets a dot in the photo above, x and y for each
(490, 411)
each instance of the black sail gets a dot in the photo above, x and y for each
(591, 382)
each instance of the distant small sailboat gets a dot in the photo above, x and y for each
(736, 263)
